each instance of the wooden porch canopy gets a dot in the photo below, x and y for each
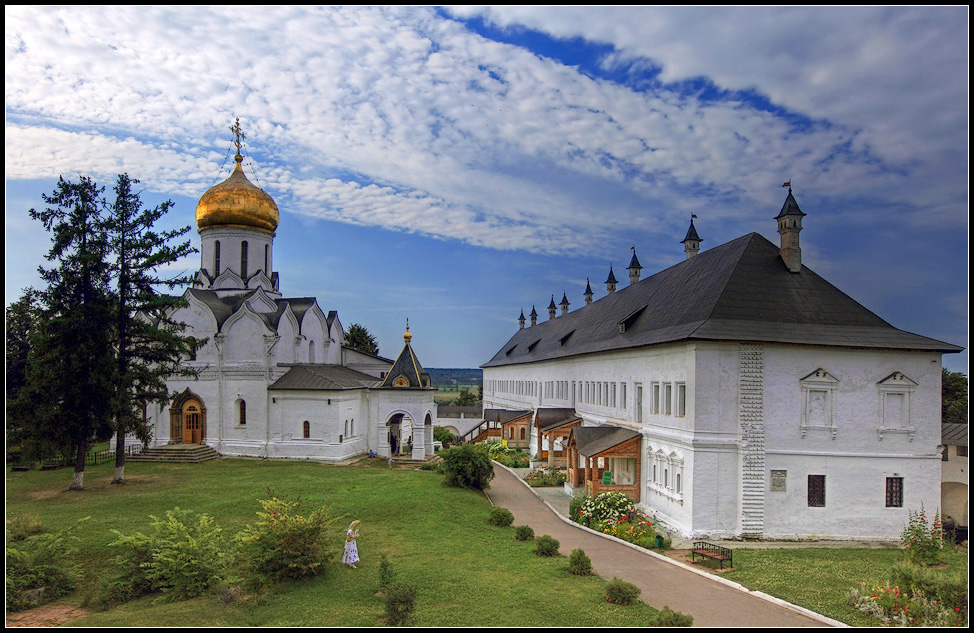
(513, 425)
(492, 425)
(552, 424)
(588, 444)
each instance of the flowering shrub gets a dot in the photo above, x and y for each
(895, 607)
(542, 476)
(924, 544)
(633, 527)
(605, 507)
(510, 457)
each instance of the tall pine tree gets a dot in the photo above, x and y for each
(71, 368)
(148, 344)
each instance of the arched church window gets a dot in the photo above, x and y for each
(522, 432)
(307, 429)
(243, 259)
(311, 352)
(243, 413)
(216, 257)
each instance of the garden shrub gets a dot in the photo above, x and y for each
(542, 476)
(185, 556)
(39, 568)
(947, 586)
(579, 564)
(894, 606)
(400, 603)
(924, 543)
(468, 466)
(604, 507)
(284, 545)
(523, 532)
(386, 573)
(501, 517)
(621, 592)
(669, 618)
(575, 508)
(444, 436)
(547, 546)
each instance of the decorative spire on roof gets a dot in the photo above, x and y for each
(521, 319)
(588, 292)
(407, 372)
(691, 243)
(610, 283)
(789, 226)
(634, 268)
(564, 303)
(552, 308)
(533, 315)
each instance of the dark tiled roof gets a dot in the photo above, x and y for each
(592, 440)
(408, 366)
(502, 415)
(634, 263)
(549, 418)
(225, 306)
(953, 434)
(322, 377)
(738, 291)
(691, 234)
(790, 207)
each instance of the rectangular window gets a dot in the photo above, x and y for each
(962, 451)
(668, 400)
(819, 412)
(622, 396)
(816, 491)
(654, 404)
(894, 492)
(681, 398)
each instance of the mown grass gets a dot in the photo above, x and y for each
(468, 573)
(820, 578)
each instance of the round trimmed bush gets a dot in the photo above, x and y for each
(622, 592)
(579, 564)
(668, 618)
(547, 546)
(523, 532)
(500, 517)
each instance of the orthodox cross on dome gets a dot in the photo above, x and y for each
(238, 134)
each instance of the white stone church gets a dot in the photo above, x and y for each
(754, 398)
(274, 376)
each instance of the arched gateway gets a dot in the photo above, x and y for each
(187, 419)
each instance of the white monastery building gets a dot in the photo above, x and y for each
(754, 398)
(274, 376)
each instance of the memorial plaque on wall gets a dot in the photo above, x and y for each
(778, 479)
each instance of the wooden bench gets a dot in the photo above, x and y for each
(713, 552)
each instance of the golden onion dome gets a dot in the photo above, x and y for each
(237, 202)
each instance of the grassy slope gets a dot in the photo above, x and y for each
(468, 573)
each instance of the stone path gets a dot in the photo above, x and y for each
(711, 601)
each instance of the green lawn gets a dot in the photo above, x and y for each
(819, 578)
(468, 573)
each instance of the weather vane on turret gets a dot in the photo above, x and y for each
(238, 134)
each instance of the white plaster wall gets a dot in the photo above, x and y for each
(858, 460)
(231, 239)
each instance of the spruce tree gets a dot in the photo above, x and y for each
(70, 371)
(148, 343)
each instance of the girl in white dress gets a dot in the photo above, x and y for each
(351, 550)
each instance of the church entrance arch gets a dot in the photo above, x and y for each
(399, 433)
(187, 419)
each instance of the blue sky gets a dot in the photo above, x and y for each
(457, 165)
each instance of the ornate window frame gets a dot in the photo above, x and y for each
(668, 477)
(816, 382)
(897, 384)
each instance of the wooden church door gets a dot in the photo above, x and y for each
(192, 427)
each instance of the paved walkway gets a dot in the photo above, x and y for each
(712, 601)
